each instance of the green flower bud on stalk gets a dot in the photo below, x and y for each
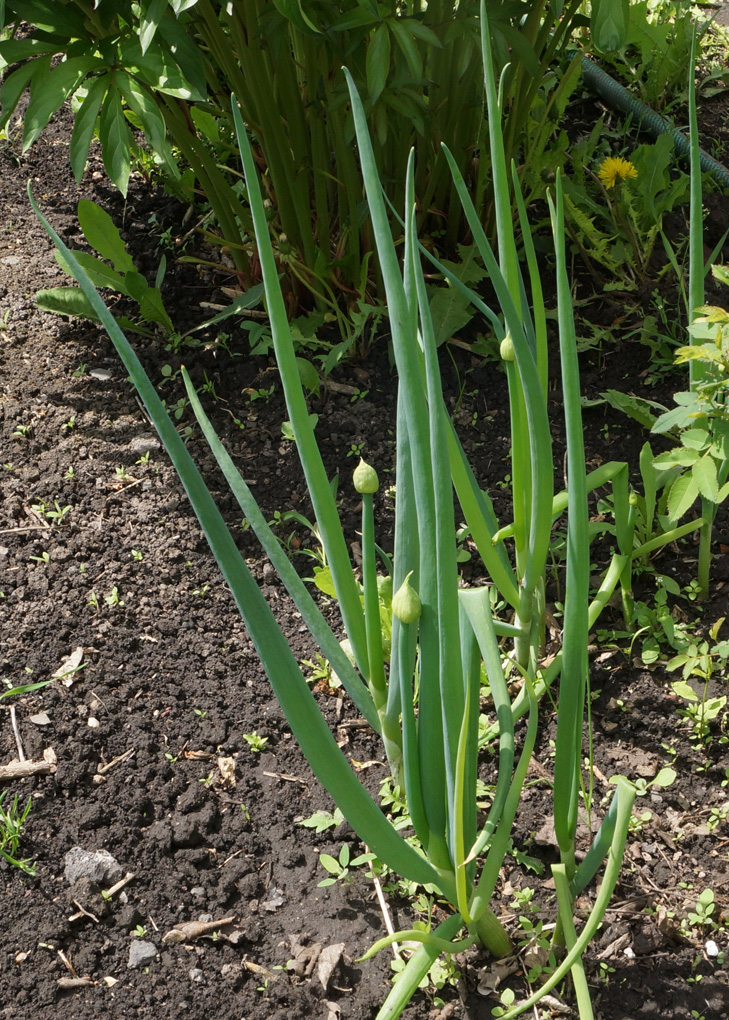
(506, 349)
(406, 604)
(365, 478)
(633, 499)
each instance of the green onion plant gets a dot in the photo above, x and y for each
(423, 698)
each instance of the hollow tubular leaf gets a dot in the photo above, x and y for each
(298, 704)
(321, 494)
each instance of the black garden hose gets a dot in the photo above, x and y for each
(612, 93)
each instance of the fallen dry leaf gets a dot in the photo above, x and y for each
(226, 767)
(186, 931)
(68, 670)
(328, 960)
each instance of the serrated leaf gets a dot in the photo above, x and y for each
(712, 313)
(116, 141)
(450, 311)
(635, 407)
(100, 274)
(85, 124)
(152, 309)
(721, 273)
(66, 301)
(652, 162)
(677, 418)
(695, 439)
(103, 236)
(700, 352)
(683, 494)
(704, 474)
(676, 458)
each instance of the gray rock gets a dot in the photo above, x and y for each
(97, 865)
(141, 444)
(196, 976)
(141, 952)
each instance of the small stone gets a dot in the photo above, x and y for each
(196, 976)
(141, 952)
(712, 950)
(142, 444)
(97, 865)
(197, 892)
(92, 722)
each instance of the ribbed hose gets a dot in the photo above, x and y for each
(612, 93)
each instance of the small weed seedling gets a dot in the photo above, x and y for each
(256, 742)
(320, 821)
(139, 932)
(702, 916)
(12, 820)
(717, 815)
(320, 673)
(44, 558)
(339, 867)
(53, 512)
(114, 599)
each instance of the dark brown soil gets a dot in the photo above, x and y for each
(171, 684)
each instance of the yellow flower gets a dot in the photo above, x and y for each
(614, 170)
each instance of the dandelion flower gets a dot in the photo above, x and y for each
(614, 170)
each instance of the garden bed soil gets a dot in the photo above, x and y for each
(145, 744)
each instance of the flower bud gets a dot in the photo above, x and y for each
(365, 478)
(506, 349)
(406, 604)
